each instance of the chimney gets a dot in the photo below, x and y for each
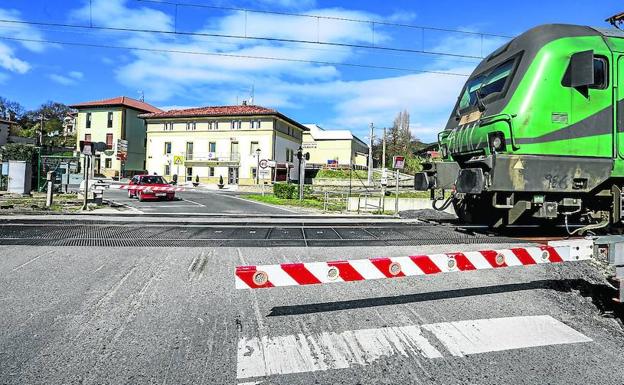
(244, 102)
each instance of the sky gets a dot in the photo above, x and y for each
(332, 84)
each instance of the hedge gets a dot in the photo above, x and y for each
(290, 190)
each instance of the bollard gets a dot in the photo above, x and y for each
(50, 180)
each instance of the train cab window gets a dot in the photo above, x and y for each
(601, 68)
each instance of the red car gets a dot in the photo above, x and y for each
(150, 187)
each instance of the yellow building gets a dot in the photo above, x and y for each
(227, 141)
(334, 147)
(107, 121)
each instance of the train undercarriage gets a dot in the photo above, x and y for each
(502, 190)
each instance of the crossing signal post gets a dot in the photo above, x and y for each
(302, 158)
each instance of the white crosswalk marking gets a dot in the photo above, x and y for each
(496, 334)
(298, 353)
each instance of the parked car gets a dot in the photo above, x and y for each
(152, 187)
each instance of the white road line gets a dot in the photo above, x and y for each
(190, 201)
(298, 353)
(492, 335)
(260, 203)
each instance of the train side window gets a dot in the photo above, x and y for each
(600, 73)
(601, 67)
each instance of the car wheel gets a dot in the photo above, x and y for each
(141, 199)
(130, 194)
(170, 197)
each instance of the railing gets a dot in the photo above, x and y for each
(214, 157)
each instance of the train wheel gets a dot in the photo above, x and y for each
(476, 209)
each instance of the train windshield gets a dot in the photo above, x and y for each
(485, 84)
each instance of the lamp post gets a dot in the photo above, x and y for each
(258, 166)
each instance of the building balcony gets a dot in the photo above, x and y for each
(213, 158)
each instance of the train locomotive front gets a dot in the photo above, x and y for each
(537, 133)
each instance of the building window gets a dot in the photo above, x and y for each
(167, 148)
(211, 171)
(109, 122)
(213, 125)
(167, 170)
(189, 150)
(88, 122)
(288, 155)
(255, 124)
(169, 126)
(236, 124)
(189, 174)
(253, 148)
(87, 137)
(190, 126)
(109, 141)
(253, 173)
(108, 163)
(212, 147)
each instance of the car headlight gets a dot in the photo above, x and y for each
(496, 141)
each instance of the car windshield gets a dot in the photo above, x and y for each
(485, 84)
(152, 179)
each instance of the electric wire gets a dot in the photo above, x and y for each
(240, 56)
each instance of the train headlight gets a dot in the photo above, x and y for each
(497, 141)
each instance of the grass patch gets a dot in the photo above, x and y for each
(307, 202)
(341, 174)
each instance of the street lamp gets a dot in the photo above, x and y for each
(258, 165)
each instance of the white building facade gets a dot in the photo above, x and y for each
(228, 142)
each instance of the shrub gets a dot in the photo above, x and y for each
(285, 190)
(290, 190)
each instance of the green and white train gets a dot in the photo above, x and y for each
(537, 133)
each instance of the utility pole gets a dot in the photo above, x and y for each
(383, 149)
(41, 130)
(370, 155)
(384, 178)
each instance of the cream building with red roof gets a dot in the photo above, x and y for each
(109, 120)
(227, 141)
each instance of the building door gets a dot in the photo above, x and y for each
(233, 175)
(97, 165)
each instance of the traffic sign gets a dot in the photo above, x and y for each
(398, 162)
(271, 163)
(264, 163)
(178, 159)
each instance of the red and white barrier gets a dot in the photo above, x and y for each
(294, 274)
(140, 187)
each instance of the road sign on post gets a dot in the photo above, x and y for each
(263, 163)
(398, 162)
(122, 149)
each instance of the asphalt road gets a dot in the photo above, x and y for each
(89, 315)
(192, 202)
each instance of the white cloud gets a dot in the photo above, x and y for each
(353, 103)
(8, 57)
(10, 62)
(115, 13)
(70, 79)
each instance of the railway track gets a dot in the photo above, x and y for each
(254, 234)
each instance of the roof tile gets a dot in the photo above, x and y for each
(120, 101)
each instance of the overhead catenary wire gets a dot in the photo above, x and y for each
(338, 18)
(242, 37)
(241, 56)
